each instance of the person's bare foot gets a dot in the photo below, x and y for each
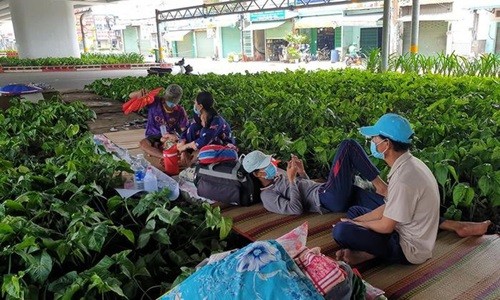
(339, 255)
(466, 229)
(352, 257)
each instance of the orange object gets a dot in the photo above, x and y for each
(136, 104)
(171, 160)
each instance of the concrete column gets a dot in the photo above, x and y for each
(44, 28)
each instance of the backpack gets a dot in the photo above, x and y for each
(227, 182)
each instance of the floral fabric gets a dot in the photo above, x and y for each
(295, 241)
(261, 270)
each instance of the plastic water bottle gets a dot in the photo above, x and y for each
(139, 172)
(150, 181)
(163, 130)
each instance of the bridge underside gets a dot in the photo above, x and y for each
(45, 28)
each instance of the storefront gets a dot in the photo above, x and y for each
(267, 32)
(320, 30)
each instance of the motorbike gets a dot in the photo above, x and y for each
(357, 58)
(305, 53)
(186, 70)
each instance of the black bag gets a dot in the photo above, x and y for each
(227, 182)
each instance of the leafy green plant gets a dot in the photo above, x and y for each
(309, 113)
(85, 59)
(487, 65)
(64, 233)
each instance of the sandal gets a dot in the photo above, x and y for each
(493, 229)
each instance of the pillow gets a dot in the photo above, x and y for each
(295, 241)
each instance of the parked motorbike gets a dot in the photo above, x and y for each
(323, 54)
(305, 53)
(186, 70)
(357, 58)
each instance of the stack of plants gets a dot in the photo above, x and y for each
(85, 59)
(65, 234)
(456, 121)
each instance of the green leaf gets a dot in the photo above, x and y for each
(27, 242)
(98, 237)
(301, 147)
(5, 228)
(168, 216)
(463, 194)
(162, 236)
(441, 173)
(453, 172)
(226, 225)
(72, 130)
(485, 184)
(40, 267)
(114, 202)
(144, 238)
(459, 193)
(14, 205)
(59, 286)
(452, 213)
(11, 287)
(102, 267)
(129, 234)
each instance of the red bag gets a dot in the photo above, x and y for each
(136, 104)
(171, 160)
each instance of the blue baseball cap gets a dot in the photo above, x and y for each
(256, 160)
(393, 126)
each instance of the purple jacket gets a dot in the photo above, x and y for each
(157, 116)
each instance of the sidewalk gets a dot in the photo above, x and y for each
(206, 65)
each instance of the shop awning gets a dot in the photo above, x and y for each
(432, 17)
(359, 20)
(177, 36)
(264, 25)
(315, 22)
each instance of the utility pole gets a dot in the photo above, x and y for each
(415, 12)
(82, 14)
(386, 30)
(242, 24)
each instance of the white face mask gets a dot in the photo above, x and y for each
(196, 110)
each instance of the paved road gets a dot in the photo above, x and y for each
(77, 80)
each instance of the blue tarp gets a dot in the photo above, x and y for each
(19, 89)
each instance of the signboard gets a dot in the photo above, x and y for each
(267, 16)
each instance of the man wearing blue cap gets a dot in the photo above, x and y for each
(404, 229)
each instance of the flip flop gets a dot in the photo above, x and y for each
(493, 229)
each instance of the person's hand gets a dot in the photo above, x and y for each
(351, 221)
(169, 137)
(291, 171)
(299, 164)
(181, 146)
(138, 94)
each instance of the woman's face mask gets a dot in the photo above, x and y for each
(170, 104)
(196, 110)
(270, 172)
(374, 151)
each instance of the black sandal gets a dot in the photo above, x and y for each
(493, 229)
